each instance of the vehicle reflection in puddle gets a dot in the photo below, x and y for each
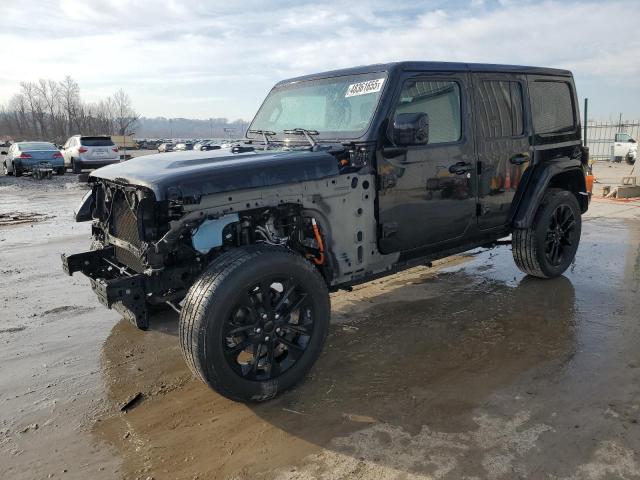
(438, 362)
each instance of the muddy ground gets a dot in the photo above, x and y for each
(465, 370)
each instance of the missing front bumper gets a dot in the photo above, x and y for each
(115, 289)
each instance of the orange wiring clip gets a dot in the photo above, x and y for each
(316, 231)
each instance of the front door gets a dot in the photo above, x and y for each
(502, 143)
(427, 191)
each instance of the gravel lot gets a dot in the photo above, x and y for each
(465, 370)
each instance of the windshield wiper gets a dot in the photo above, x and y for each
(303, 131)
(265, 136)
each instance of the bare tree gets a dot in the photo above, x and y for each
(125, 117)
(70, 99)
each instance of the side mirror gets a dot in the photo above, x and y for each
(631, 140)
(410, 129)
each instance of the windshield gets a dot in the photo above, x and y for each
(337, 107)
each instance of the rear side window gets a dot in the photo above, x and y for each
(440, 100)
(501, 109)
(96, 142)
(552, 107)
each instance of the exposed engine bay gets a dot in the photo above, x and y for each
(149, 237)
(153, 238)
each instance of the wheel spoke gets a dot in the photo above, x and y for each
(555, 253)
(301, 329)
(295, 306)
(569, 226)
(239, 346)
(274, 368)
(244, 328)
(290, 344)
(256, 358)
(285, 296)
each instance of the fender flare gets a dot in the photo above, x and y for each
(528, 199)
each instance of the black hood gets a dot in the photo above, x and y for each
(198, 173)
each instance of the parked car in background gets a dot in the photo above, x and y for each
(84, 152)
(625, 147)
(209, 146)
(183, 146)
(24, 156)
(166, 147)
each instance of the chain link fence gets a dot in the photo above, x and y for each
(601, 135)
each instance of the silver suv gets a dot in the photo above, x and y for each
(82, 152)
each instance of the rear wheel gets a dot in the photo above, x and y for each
(17, 171)
(75, 168)
(61, 171)
(255, 322)
(547, 248)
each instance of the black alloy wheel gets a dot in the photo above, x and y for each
(269, 328)
(561, 234)
(255, 321)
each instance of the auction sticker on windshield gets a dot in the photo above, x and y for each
(362, 88)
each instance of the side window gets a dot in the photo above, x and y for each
(552, 107)
(622, 137)
(440, 100)
(501, 111)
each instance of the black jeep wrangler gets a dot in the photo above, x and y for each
(343, 177)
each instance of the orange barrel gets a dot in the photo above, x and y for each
(590, 178)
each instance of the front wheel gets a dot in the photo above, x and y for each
(630, 160)
(548, 246)
(255, 322)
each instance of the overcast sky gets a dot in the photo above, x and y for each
(207, 58)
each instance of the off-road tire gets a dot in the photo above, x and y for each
(528, 245)
(212, 297)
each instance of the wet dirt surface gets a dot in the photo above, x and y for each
(465, 370)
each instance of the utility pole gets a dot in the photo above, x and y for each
(586, 107)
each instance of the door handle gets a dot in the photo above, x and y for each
(460, 168)
(519, 159)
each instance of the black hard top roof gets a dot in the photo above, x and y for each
(434, 67)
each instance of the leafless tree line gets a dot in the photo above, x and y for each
(53, 111)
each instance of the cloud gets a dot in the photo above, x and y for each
(168, 53)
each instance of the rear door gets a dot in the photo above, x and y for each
(427, 194)
(502, 142)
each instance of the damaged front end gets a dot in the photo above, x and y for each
(127, 269)
(147, 253)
